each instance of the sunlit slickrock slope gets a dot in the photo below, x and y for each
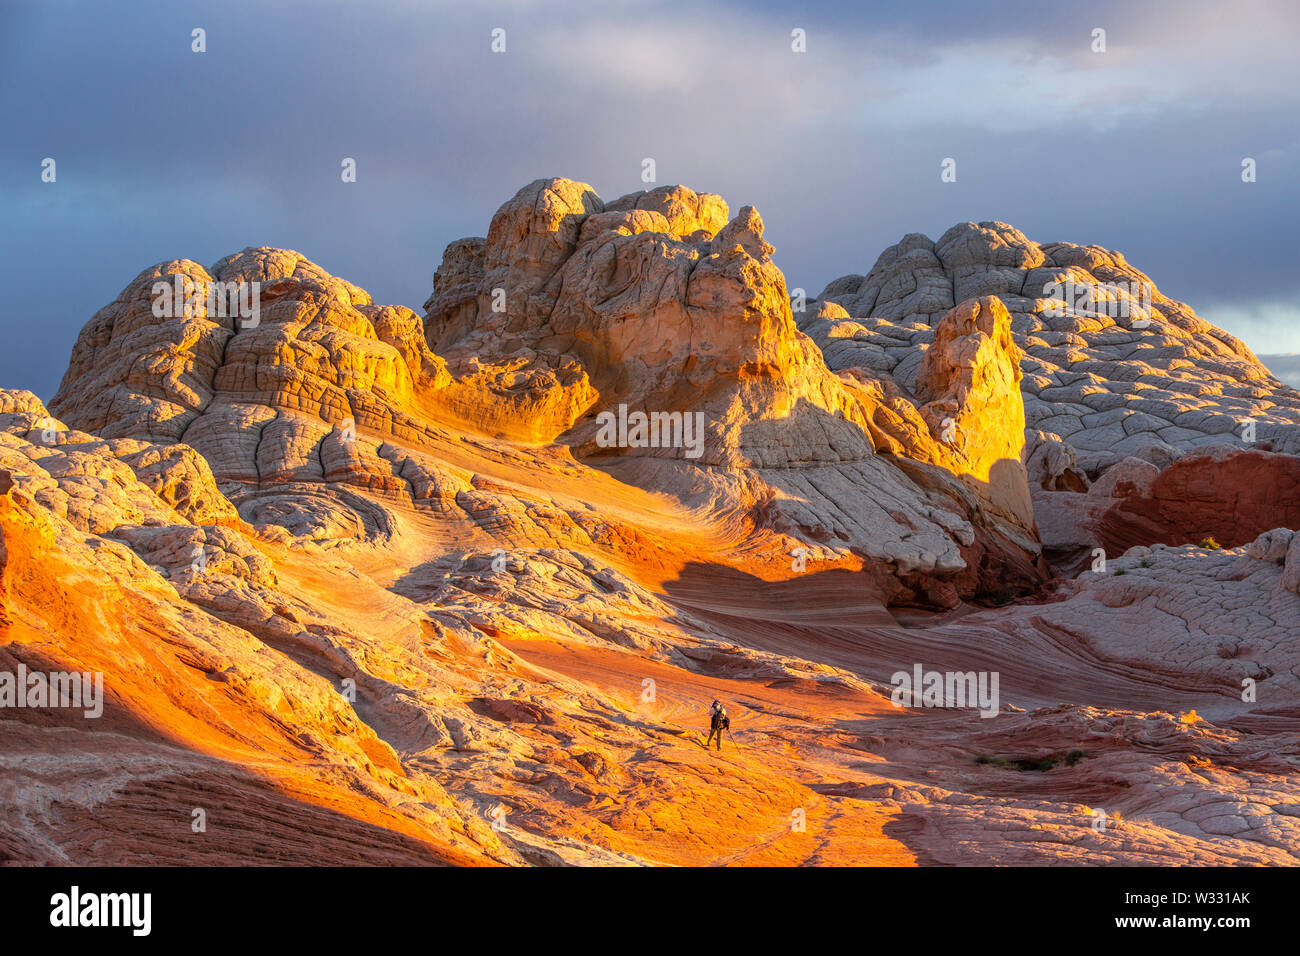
(373, 587)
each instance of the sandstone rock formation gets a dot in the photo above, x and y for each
(568, 311)
(1115, 369)
(367, 586)
(1112, 370)
(1224, 494)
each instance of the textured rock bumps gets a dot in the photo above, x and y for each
(360, 577)
(655, 300)
(658, 302)
(1118, 372)
(1118, 376)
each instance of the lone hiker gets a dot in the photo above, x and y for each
(718, 722)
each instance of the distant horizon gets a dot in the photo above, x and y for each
(1286, 367)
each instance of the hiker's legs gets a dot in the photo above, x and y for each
(719, 738)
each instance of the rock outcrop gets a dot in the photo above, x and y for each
(572, 316)
(1112, 371)
(1110, 364)
(372, 587)
(969, 382)
(1228, 495)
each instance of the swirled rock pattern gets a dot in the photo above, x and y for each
(365, 586)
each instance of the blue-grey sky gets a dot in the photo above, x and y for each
(163, 153)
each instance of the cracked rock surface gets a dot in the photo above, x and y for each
(367, 586)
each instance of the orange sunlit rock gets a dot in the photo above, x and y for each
(369, 586)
